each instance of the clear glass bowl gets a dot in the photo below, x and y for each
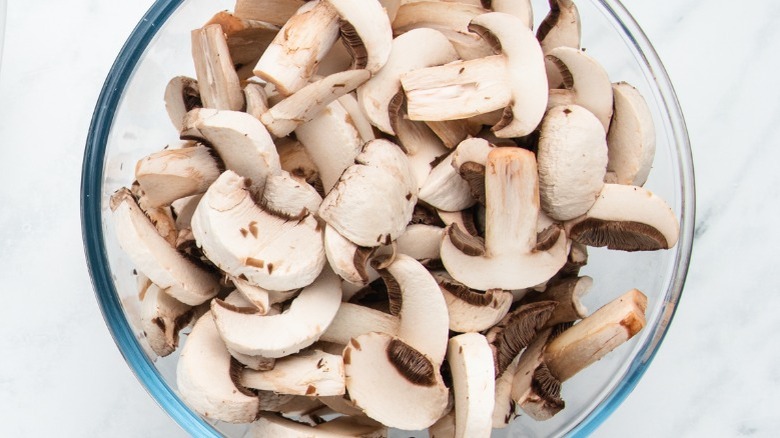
(130, 121)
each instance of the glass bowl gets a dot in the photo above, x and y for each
(130, 121)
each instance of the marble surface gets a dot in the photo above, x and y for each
(716, 374)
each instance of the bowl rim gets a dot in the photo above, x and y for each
(134, 354)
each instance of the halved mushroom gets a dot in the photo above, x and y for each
(181, 96)
(301, 325)
(415, 49)
(152, 255)
(269, 425)
(218, 82)
(626, 218)
(162, 317)
(514, 80)
(204, 377)
(271, 11)
(353, 320)
(585, 83)
(171, 174)
(240, 140)
(310, 373)
(248, 242)
(568, 294)
(508, 258)
(572, 161)
(472, 311)
(374, 198)
(631, 137)
(246, 40)
(306, 103)
(473, 383)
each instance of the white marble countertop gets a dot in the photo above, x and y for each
(717, 373)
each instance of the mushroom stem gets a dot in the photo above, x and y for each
(271, 11)
(312, 373)
(353, 320)
(217, 79)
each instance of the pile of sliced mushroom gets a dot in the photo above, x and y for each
(379, 212)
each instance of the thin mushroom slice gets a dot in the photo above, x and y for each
(585, 82)
(271, 11)
(306, 103)
(287, 196)
(473, 311)
(560, 28)
(473, 380)
(269, 425)
(353, 320)
(162, 317)
(256, 99)
(348, 260)
(374, 198)
(420, 242)
(217, 78)
(261, 298)
(366, 31)
(240, 140)
(509, 260)
(298, 163)
(181, 96)
(172, 174)
(515, 332)
(503, 406)
(424, 149)
(534, 389)
(394, 383)
(301, 325)
(415, 49)
(248, 242)
(631, 137)
(204, 377)
(572, 161)
(152, 255)
(626, 218)
(246, 40)
(513, 80)
(160, 216)
(519, 8)
(260, 363)
(310, 373)
(568, 294)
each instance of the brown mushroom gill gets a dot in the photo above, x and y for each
(468, 244)
(620, 235)
(412, 364)
(474, 174)
(517, 331)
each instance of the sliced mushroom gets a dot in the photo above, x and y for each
(626, 218)
(256, 99)
(374, 198)
(560, 28)
(631, 137)
(181, 96)
(260, 363)
(259, 297)
(287, 196)
(444, 427)
(160, 216)
(473, 383)
(353, 320)
(269, 425)
(271, 11)
(366, 31)
(585, 83)
(473, 311)
(246, 40)
(420, 242)
(415, 49)
(357, 117)
(183, 209)
(515, 332)
(171, 174)
(572, 161)
(504, 407)
(508, 259)
(162, 317)
(422, 145)
(152, 255)
(218, 81)
(248, 242)
(514, 80)
(348, 260)
(301, 325)
(452, 132)
(311, 373)
(204, 377)
(519, 8)
(240, 140)
(342, 405)
(534, 389)
(469, 161)
(568, 294)
(307, 102)
(445, 188)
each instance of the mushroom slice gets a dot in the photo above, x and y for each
(374, 198)
(310, 373)
(420, 242)
(348, 260)
(269, 425)
(152, 255)
(415, 49)
(473, 381)
(261, 298)
(239, 299)
(353, 320)
(631, 137)
(572, 161)
(394, 383)
(445, 188)
(204, 377)
(514, 80)
(292, 57)
(271, 11)
(161, 217)
(503, 405)
(217, 79)
(585, 82)
(469, 162)
(301, 325)
(534, 389)
(342, 405)
(162, 317)
(421, 144)
(357, 117)
(519, 8)
(287, 196)
(509, 259)
(444, 427)
(332, 141)
(511, 335)
(450, 18)
(246, 40)
(181, 96)
(256, 99)
(568, 294)
(248, 242)
(307, 102)
(171, 174)
(473, 311)
(626, 218)
(182, 209)
(366, 31)
(560, 28)
(240, 140)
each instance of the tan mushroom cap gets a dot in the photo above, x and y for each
(627, 218)
(572, 158)
(631, 137)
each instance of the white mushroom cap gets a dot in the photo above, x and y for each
(152, 255)
(631, 137)
(473, 381)
(374, 198)
(627, 218)
(508, 259)
(171, 174)
(301, 325)
(310, 373)
(415, 49)
(572, 160)
(353, 320)
(203, 377)
(240, 140)
(248, 242)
